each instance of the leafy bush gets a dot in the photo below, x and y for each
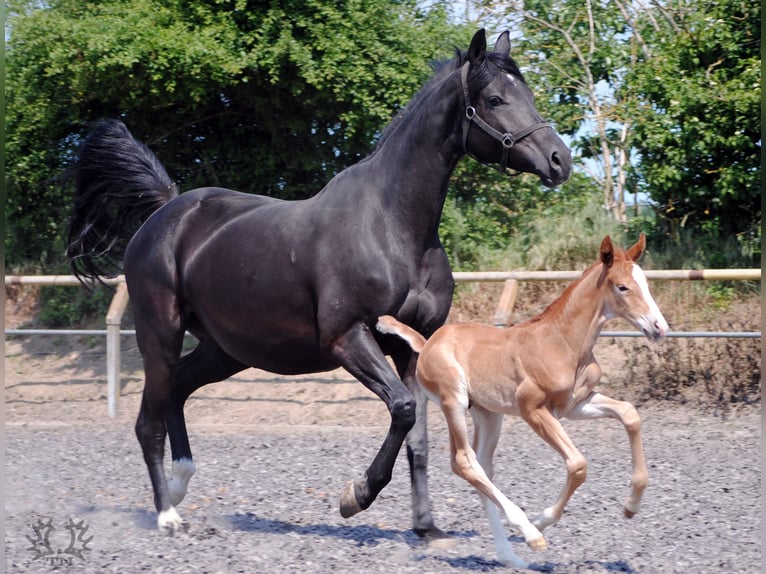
(714, 374)
(72, 307)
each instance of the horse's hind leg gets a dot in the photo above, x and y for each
(417, 451)
(465, 464)
(207, 363)
(160, 353)
(487, 427)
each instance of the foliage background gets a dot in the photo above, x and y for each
(659, 102)
(271, 98)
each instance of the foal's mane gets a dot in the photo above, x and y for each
(561, 301)
(478, 78)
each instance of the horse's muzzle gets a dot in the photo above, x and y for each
(559, 167)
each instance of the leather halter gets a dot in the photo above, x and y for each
(507, 140)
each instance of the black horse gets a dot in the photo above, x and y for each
(297, 286)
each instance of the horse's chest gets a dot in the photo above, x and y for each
(588, 376)
(569, 391)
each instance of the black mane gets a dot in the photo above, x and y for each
(478, 78)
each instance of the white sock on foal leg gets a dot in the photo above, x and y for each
(180, 474)
(505, 552)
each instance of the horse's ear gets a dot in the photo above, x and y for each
(503, 44)
(635, 252)
(607, 251)
(478, 46)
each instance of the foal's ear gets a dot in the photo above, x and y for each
(607, 251)
(478, 46)
(635, 252)
(503, 44)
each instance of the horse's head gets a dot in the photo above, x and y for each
(501, 122)
(627, 290)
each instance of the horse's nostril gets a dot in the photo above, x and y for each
(555, 159)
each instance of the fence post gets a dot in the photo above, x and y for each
(506, 303)
(113, 321)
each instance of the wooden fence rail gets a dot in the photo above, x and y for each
(502, 315)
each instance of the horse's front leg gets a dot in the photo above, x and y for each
(596, 406)
(548, 427)
(417, 451)
(358, 352)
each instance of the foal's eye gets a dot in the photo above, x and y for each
(495, 101)
(623, 288)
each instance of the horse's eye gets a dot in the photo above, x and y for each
(495, 101)
(623, 288)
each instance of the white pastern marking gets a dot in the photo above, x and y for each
(640, 279)
(169, 519)
(181, 472)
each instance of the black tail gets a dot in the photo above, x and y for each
(119, 183)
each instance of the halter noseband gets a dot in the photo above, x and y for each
(507, 140)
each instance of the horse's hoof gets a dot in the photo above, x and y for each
(348, 503)
(631, 508)
(538, 544)
(168, 521)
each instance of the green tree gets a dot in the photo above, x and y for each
(697, 127)
(578, 53)
(662, 98)
(271, 98)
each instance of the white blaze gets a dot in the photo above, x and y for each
(655, 313)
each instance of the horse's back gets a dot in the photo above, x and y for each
(214, 205)
(190, 217)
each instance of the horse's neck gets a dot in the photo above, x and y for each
(417, 159)
(579, 315)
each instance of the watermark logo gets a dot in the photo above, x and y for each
(59, 549)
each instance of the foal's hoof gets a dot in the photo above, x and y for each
(348, 503)
(537, 544)
(630, 509)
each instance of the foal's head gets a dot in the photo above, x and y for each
(627, 290)
(507, 129)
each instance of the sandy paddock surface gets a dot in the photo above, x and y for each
(273, 454)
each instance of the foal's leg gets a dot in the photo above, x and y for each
(207, 363)
(417, 451)
(487, 426)
(359, 353)
(542, 421)
(599, 406)
(466, 465)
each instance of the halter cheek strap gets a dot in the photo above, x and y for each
(506, 140)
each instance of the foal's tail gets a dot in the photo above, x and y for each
(119, 183)
(390, 326)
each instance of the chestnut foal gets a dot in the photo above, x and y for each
(541, 370)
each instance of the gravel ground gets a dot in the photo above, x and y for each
(265, 497)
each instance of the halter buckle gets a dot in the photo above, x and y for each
(470, 112)
(507, 141)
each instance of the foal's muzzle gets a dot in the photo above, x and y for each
(654, 329)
